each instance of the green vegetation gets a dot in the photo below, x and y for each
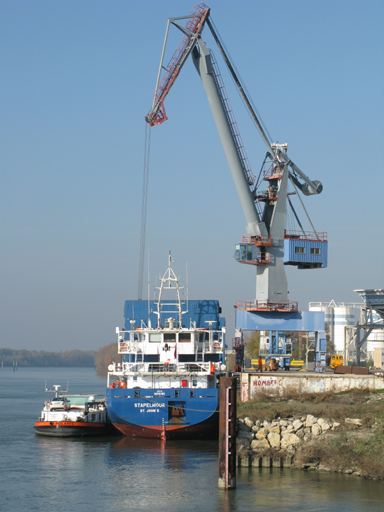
(34, 358)
(252, 345)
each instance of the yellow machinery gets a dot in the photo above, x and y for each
(336, 361)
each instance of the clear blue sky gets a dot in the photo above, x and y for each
(77, 78)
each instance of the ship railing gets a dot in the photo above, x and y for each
(180, 368)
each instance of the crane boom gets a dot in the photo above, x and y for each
(192, 30)
(204, 66)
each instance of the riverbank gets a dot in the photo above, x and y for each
(326, 432)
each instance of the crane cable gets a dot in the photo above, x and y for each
(147, 149)
(256, 117)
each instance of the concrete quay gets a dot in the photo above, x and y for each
(281, 383)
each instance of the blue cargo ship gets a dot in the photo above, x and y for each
(172, 355)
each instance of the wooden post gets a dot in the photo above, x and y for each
(227, 433)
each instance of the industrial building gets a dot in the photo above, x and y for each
(342, 320)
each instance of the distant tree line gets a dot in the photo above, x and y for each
(70, 358)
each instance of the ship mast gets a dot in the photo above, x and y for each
(169, 281)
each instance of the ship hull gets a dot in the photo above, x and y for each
(72, 429)
(165, 413)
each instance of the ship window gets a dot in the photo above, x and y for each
(155, 337)
(192, 394)
(300, 250)
(194, 382)
(184, 337)
(177, 393)
(315, 250)
(170, 337)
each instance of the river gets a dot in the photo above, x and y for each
(121, 474)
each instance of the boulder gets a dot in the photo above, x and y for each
(316, 429)
(310, 420)
(297, 424)
(248, 422)
(356, 422)
(323, 424)
(323, 467)
(275, 429)
(243, 427)
(258, 445)
(288, 440)
(262, 433)
(274, 440)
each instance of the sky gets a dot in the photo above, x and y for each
(77, 79)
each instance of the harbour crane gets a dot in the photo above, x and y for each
(267, 244)
(263, 245)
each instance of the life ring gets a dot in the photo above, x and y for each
(123, 346)
(216, 345)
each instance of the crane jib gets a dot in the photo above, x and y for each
(193, 28)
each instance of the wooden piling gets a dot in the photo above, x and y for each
(227, 433)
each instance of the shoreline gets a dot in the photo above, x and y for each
(300, 440)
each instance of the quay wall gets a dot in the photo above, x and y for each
(280, 384)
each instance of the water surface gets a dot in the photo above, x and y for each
(122, 474)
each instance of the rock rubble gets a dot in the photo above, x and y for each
(274, 444)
